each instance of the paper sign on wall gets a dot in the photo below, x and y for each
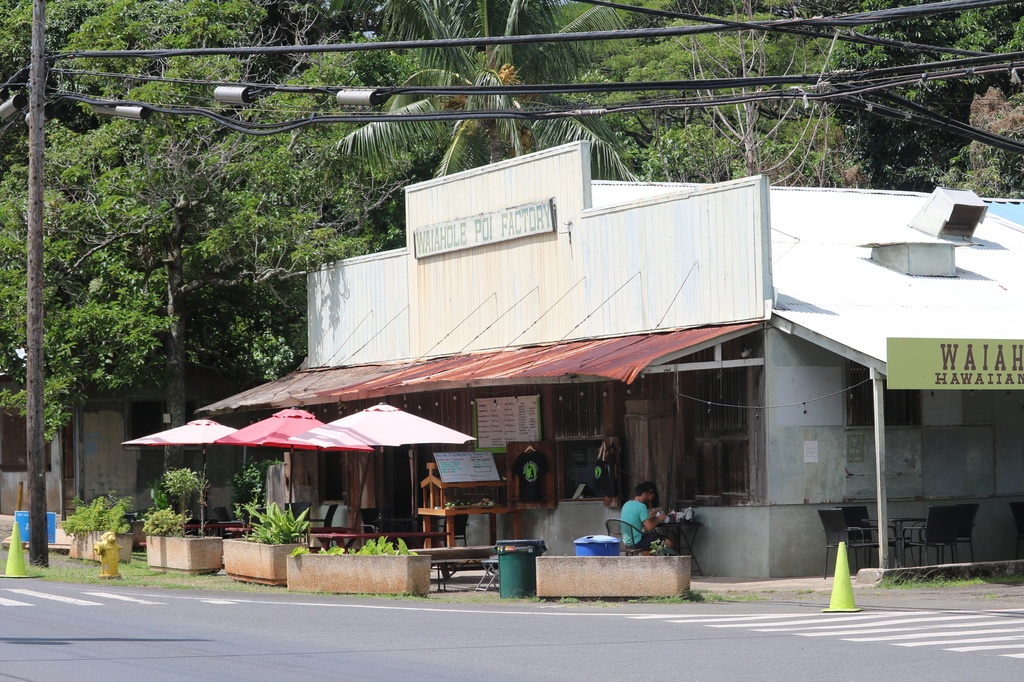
(810, 451)
(506, 420)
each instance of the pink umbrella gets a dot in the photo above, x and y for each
(197, 432)
(379, 425)
(274, 431)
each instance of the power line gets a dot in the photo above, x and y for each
(851, 20)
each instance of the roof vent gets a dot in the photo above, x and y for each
(935, 259)
(950, 214)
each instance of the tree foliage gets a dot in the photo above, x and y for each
(175, 242)
(471, 142)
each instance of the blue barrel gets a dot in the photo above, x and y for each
(21, 518)
(597, 545)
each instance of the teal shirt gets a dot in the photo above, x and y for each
(633, 513)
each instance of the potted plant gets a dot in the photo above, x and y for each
(379, 567)
(261, 556)
(168, 549)
(89, 521)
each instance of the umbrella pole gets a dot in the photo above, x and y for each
(412, 485)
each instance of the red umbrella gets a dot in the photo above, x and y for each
(274, 431)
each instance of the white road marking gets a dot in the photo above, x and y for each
(11, 602)
(122, 597)
(55, 597)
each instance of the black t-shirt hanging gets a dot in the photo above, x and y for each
(604, 479)
(529, 467)
(604, 473)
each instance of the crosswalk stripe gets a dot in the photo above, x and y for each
(922, 635)
(987, 647)
(730, 619)
(11, 602)
(54, 597)
(994, 630)
(121, 597)
(908, 626)
(843, 620)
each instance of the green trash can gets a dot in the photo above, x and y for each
(517, 567)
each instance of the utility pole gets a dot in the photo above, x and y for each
(35, 426)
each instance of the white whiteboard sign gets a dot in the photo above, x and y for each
(466, 467)
(504, 420)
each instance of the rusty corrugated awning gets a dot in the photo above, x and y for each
(304, 387)
(620, 358)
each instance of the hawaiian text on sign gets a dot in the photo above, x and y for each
(988, 365)
(487, 228)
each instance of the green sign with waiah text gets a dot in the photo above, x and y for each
(956, 364)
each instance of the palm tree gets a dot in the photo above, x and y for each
(473, 142)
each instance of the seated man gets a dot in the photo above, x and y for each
(637, 513)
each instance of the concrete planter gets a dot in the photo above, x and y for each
(359, 574)
(184, 555)
(81, 546)
(252, 562)
(612, 576)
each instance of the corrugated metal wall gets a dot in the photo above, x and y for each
(683, 259)
(359, 311)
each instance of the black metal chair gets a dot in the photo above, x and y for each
(939, 531)
(857, 516)
(220, 515)
(328, 516)
(1017, 508)
(965, 525)
(614, 528)
(371, 519)
(833, 522)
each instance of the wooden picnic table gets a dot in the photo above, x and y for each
(230, 529)
(348, 537)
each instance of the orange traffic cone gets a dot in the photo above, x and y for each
(842, 588)
(15, 556)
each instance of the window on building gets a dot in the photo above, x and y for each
(147, 417)
(902, 407)
(716, 464)
(13, 442)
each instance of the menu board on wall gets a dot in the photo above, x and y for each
(504, 420)
(466, 467)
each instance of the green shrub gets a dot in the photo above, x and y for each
(165, 523)
(276, 527)
(105, 513)
(379, 547)
(250, 485)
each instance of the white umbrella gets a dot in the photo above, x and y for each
(197, 432)
(379, 425)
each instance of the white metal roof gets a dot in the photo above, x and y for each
(828, 288)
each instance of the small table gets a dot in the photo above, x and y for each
(677, 529)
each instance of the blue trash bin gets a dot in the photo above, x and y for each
(597, 545)
(21, 518)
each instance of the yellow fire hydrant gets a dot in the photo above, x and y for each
(109, 553)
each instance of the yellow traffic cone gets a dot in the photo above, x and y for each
(842, 588)
(15, 556)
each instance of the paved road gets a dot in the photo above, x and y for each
(51, 631)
